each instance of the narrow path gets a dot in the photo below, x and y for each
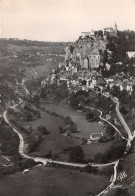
(35, 72)
(23, 85)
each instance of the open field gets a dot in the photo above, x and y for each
(54, 141)
(44, 70)
(20, 54)
(91, 150)
(84, 127)
(47, 181)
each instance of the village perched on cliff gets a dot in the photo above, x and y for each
(89, 60)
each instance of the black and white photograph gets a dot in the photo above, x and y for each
(67, 97)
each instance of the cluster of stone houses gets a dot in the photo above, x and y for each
(87, 52)
(80, 60)
(121, 82)
(89, 49)
(79, 80)
(90, 79)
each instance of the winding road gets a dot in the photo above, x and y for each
(45, 161)
(130, 136)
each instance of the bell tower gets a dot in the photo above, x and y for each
(115, 29)
(115, 26)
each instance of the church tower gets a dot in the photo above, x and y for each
(115, 27)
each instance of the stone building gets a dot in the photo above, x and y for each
(86, 63)
(95, 58)
(131, 54)
(110, 31)
(83, 34)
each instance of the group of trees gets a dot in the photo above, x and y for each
(76, 99)
(90, 116)
(109, 131)
(42, 129)
(55, 92)
(99, 33)
(81, 98)
(122, 192)
(114, 152)
(9, 141)
(70, 126)
(36, 136)
(125, 41)
(76, 154)
(34, 140)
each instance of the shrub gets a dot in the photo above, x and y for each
(90, 115)
(116, 150)
(28, 116)
(99, 157)
(90, 169)
(76, 154)
(68, 120)
(84, 140)
(42, 129)
(122, 192)
(61, 130)
(123, 110)
(26, 163)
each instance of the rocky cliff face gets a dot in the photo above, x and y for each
(89, 48)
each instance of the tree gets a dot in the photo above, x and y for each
(28, 116)
(35, 139)
(116, 150)
(61, 91)
(61, 130)
(84, 140)
(42, 129)
(74, 100)
(76, 154)
(36, 99)
(90, 115)
(68, 120)
(123, 110)
(115, 91)
(26, 163)
(105, 57)
(122, 192)
(100, 33)
(99, 157)
(110, 131)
